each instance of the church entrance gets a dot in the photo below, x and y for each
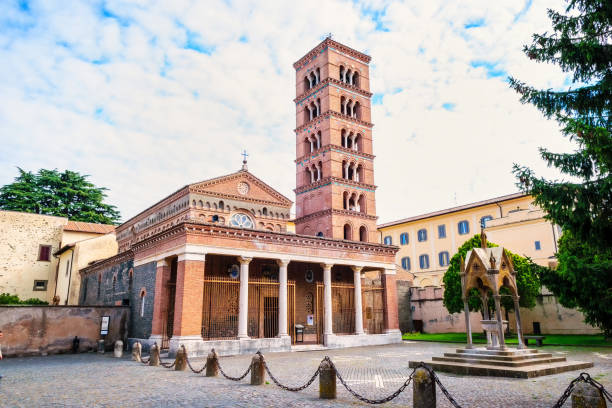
(343, 309)
(168, 311)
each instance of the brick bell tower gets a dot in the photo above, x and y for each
(334, 164)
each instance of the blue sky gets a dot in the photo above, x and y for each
(149, 96)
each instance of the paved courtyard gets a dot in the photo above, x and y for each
(91, 380)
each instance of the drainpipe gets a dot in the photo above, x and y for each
(500, 210)
(70, 275)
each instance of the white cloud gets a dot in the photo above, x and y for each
(112, 91)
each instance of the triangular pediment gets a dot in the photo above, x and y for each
(241, 185)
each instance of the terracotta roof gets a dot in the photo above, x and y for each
(454, 209)
(80, 226)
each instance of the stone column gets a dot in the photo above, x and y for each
(282, 297)
(390, 301)
(358, 305)
(485, 312)
(519, 328)
(500, 325)
(188, 300)
(160, 300)
(327, 301)
(243, 311)
(468, 323)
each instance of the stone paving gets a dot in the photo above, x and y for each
(92, 380)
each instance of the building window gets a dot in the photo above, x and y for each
(143, 297)
(388, 240)
(463, 227)
(44, 253)
(422, 235)
(404, 238)
(538, 246)
(242, 221)
(424, 261)
(406, 263)
(40, 285)
(320, 234)
(483, 221)
(443, 258)
(442, 231)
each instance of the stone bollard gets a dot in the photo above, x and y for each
(118, 352)
(586, 396)
(137, 352)
(212, 364)
(101, 346)
(423, 389)
(154, 359)
(327, 381)
(258, 372)
(180, 362)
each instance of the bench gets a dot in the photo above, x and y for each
(538, 340)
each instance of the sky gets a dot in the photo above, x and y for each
(148, 96)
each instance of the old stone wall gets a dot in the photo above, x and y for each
(120, 283)
(422, 309)
(41, 330)
(21, 235)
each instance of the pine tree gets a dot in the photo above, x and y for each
(68, 194)
(581, 203)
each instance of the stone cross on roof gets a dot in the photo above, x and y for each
(244, 160)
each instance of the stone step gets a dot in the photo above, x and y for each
(508, 352)
(517, 363)
(513, 372)
(521, 356)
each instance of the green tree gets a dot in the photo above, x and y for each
(527, 281)
(68, 194)
(581, 203)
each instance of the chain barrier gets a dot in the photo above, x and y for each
(368, 400)
(583, 377)
(286, 387)
(586, 378)
(191, 367)
(167, 365)
(233, 378)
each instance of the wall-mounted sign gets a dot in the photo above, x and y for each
(234, 271)
(104, 325)
(309, 276)
(310, 320)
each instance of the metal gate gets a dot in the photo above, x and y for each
(343, 309)
(220, 308)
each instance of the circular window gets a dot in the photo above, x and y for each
(243, 188)
(241, 221)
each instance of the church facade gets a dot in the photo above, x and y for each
(213, 265)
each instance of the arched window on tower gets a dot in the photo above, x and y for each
(308, 145)
(356, 111)
(318, 137)
(307, 83)
(343, 138)
(350, 173)
(359, 173)
(342, 73)
(345, 198)
(361, 203)
(357, 142)
(352, 203)
(356, 79)
(348, 233)
(363, 234)
(343, 103)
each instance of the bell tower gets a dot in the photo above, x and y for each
(334, 161)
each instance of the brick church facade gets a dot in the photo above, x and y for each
(212, 265)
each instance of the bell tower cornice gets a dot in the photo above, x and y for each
(332, 82)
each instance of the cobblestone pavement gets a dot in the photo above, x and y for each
(92, 380)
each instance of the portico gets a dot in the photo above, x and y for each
(237, 299)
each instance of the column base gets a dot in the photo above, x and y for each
(190, 343)
(245, 337)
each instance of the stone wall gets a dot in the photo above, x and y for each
(422, 309)
(119, 283)
(41, 330)
(21, 235)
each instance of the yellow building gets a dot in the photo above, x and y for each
(428, 241)
(28, 241)
(82, 244)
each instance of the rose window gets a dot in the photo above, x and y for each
(241, 221)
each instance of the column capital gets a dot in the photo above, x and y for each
(245, 260)
(326, 266)
(162, 262)
(283, 262)
(357, 269)
(192, 256)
